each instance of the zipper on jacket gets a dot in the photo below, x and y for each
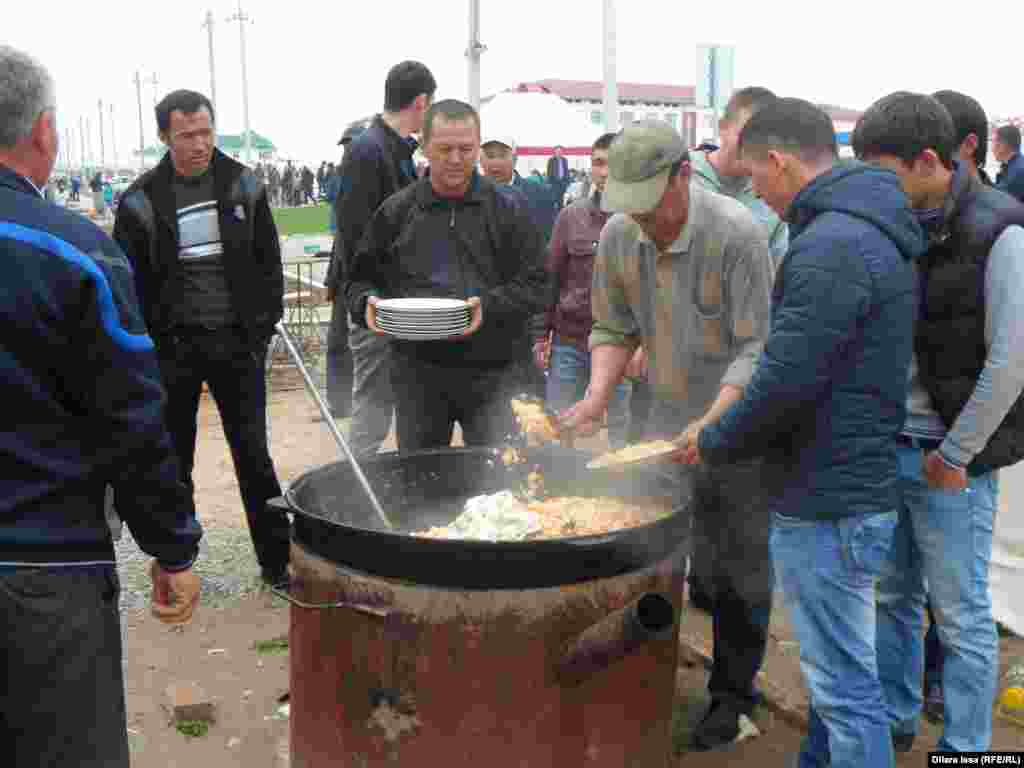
(451, 220)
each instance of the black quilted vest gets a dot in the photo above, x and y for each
(950, 337)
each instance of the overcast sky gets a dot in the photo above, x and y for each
(314, 66)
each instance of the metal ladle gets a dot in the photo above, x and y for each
(286, 337)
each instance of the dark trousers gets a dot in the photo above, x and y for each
(62, 695)
(933, 653)
(429, 399)
(234, 367)
(731, 525)
(339, 361)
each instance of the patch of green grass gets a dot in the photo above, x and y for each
(194, 729)
(306, 220)
(275, 645)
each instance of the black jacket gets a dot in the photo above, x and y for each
(376, 165)
(484, 244)
(950, 336)
(147, 229)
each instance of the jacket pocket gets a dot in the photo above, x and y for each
(710, 316)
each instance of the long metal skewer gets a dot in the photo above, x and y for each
(286, 337)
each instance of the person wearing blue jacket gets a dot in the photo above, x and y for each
(824, 407)
(83, 410)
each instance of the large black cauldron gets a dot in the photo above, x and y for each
(334, 519)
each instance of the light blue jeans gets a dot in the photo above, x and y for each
(828, 572)
(943, 546)
(568, 378)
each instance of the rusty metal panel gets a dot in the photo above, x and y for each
(471, 678)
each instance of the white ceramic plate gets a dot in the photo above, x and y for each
(421, 305)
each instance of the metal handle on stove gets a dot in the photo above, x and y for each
(286, 337)
(284, 592)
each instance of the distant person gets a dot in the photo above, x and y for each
(207, 260)
(1006, 149)
(96, 187)
(377, 164)
(83, 409)
(558, 175)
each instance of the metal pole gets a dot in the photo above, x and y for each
(88, 140)
(473, 54)
(103, 154)
(213, 79)
(113, 141)
(325, 411)
(142, 133)
(81, 135)
(611, 85)
(242, 20)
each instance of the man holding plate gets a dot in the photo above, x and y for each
(452, 234)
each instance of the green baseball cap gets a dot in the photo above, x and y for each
(639, 162)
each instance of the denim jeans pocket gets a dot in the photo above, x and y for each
(868, 540)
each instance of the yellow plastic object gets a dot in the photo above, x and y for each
(1011, 705)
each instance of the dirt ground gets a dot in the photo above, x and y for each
(217, 650)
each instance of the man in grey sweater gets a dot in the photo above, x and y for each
(686, 273)
(965, 420)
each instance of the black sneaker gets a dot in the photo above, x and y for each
(719, 728)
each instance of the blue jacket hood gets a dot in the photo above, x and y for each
(867, 192)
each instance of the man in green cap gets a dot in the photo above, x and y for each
(685, 273)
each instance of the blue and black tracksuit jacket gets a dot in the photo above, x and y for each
(82, 403)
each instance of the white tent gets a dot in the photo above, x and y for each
(537, 121)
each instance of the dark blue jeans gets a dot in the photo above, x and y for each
(234, 366)
(62, 695)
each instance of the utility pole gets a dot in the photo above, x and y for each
(113, 140)
(81, 135)
(103, 154)
(88, 140)
(154, 81)
(213, 79)
(242, 18)
(142, 133)
(611, 84)
(67, 148)
(473, 53)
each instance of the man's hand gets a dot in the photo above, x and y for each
(175, 595)
(689, 449)
(331, 293)
(476, 317)
(583, 419)
(637, 368)
(941, 476)
(542, 353)
(371, 315)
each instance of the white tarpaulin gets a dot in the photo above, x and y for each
(1007, 572)
(537, 122)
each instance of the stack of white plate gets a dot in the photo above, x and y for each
(423, 319)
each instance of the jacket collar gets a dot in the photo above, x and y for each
(14, 180)
(962, 190)
(427, 198)
(161, 187)
(394, 142)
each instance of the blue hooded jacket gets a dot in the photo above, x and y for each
(830, 391)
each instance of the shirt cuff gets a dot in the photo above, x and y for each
(600, 337)
(177, 567)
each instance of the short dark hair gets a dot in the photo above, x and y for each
(904, 125)
(452, 110)
(751, 99)
(968, 117)
(186, 102)
(791, 125)
(1010, 136)
(405, 82)
(604, 141)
